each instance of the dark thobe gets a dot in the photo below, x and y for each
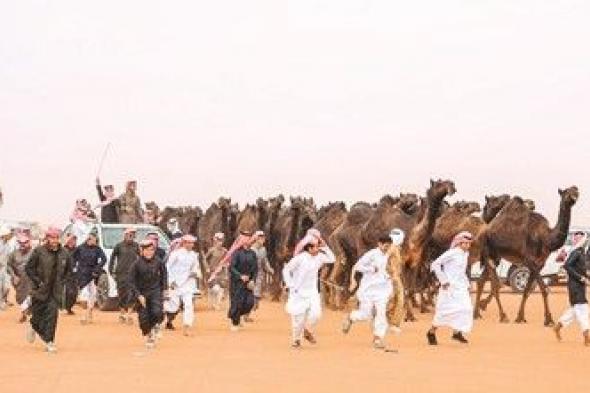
(575, 266)
(71, 285)
(17, 261)
(88, 263)
(48, 270)
(123, 257)
(109, 214)
(149, 279)
(242, 300)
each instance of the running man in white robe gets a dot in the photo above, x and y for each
(373, 293)
(183, 270)
(453, 305)
(301, 278)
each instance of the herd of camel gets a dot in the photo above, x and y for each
(506, 227)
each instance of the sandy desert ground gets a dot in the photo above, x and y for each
(109, 357)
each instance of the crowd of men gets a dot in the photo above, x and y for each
(159, 284)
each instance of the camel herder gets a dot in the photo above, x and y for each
(301, 278)
(453, 305)
(243, 269)
(374, 291)
(71, 284)
(89, 260)
(48, 269)
(130, 211)
(183, 271)
(7, 246)
(218, 281)
(149, 284)
(577, 275)
(17, 261)
(264, 267)
(109, 203)
(123, 257)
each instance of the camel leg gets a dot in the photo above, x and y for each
(410, 284)
(495, 292)
(276, 290)
(548, 317)
(481, 282)
(527, 291)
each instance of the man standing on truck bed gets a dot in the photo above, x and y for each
(123, 257)
(130, 208)
(109, 204)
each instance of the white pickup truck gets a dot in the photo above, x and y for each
(109, 235)
(516, 277)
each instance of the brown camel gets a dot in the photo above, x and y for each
(390, 213)
(524, 237)
(415, 248)
(253, 217)
(275, 207)
(330, 217)
(344, 244)
(216, 219)
(290, 226)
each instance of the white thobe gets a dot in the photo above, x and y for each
(301, 277)
(6, 248)
(374, 291)
(453, 306)
(183, 266)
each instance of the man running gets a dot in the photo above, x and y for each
(17, 261)
(123, 257)
(47, 269)
(89, 260)
(183, 271)
(373, 293)
(301, 279)
(218, 283)
(149, 284)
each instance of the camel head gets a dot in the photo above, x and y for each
(189, 219)
(409, 203)
(276, 203)
(224, 203)
(234, 209)
(467, 208)
(388, 200)
(440, 189)
(569, 196)
(493, 206)
(530, 204)
(261, 204)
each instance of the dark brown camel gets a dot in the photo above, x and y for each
(216, 219)
(344, 244)
(415, 249)
(253, 217)
(330, 217)
(524, 237)
(290, 226)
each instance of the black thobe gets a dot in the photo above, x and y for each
(149, 279)
(71, 286)
(575, 265)
(243, 263)
(88, 263)
(109, 214)
(48, 271)
(123, 257)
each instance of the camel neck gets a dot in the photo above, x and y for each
(560, 231)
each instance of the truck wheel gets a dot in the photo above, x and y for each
(103, 301)
(518, 279)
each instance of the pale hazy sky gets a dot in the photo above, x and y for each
(336, 99)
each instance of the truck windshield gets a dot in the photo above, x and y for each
(112, 236)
